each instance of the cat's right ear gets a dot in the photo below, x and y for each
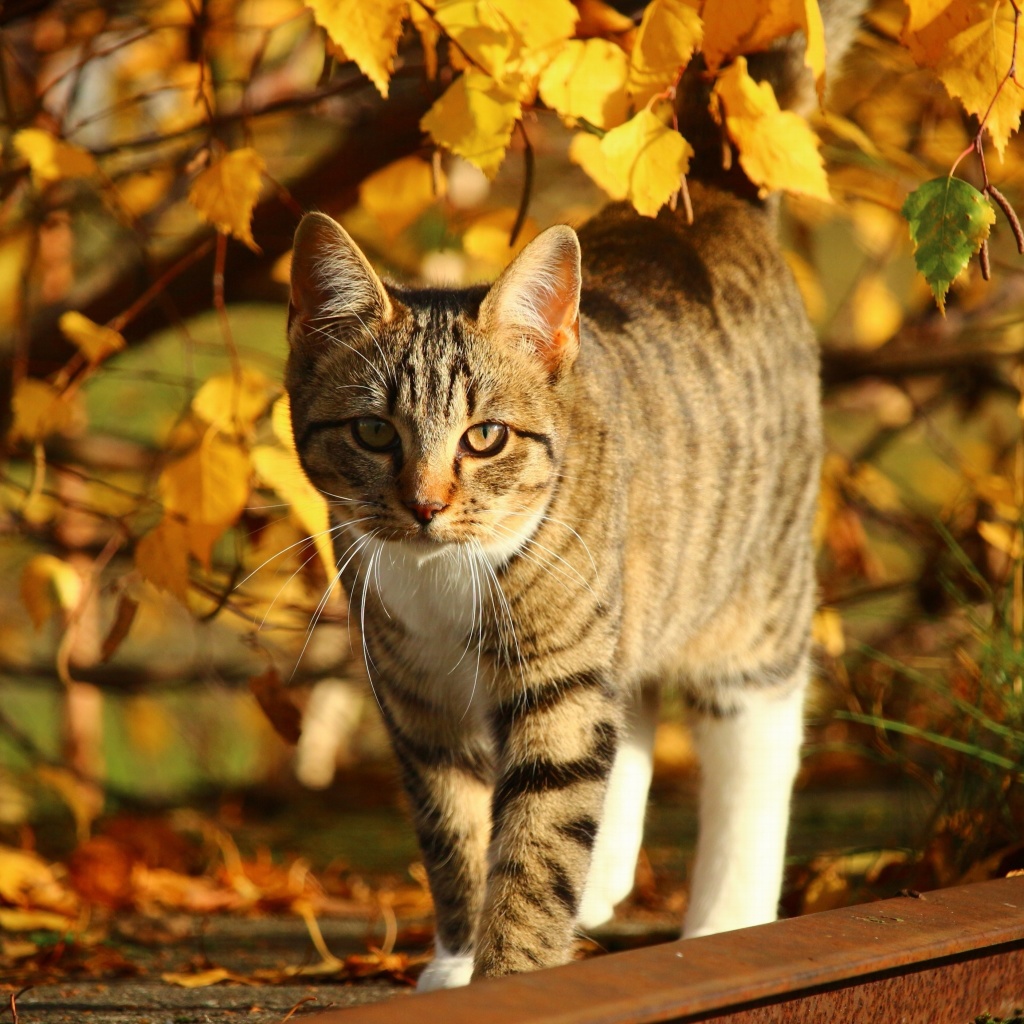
(331, 280)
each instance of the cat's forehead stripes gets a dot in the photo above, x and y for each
(432, 378)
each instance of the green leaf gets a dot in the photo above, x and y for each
(949, 220)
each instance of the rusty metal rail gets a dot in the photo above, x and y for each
(940, 957)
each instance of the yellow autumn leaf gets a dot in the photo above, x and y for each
(998, 491)
(48, 585)
(94, 341)
(281, 422)
(15, 920)
(486, 239)
(430, 34)
(586, 80)
(161, 557)
(600, 19)
(540, 23)
(226, 193)
(39, 410)
(969, 44)
(367, 32)
(647, 159)
(202, 979)
(26, 879)
(139, 193)
(669, 33)
(828, 631)
(777, 148)
(51, 159)
(808, 282)
(923, 12)
(227, 401)
(482, 34)
(280, 470)
(397, 194)
(877, 313)
(209, 484)
(1003, 538)
(474, 119)
(734, 27)
(585, 151)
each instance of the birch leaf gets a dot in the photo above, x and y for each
(647, 160)
(226, 193)
(777, 148)
(734, 27)
(585, 150)
(279, 469)
(368, 32)
(669, 34)
(948, 219)
(94, 341)
(969, 45)
(161, 557)
(226, 401)
(587, 79)
(397, 194)
(51, 159)
(474, 119)
(210, 484)
(48, 585)
(39, 410)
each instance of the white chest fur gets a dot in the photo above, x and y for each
(439, 600)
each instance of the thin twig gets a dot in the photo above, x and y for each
(119, 322)
(524, 199)
(15, 996)
(291, 1012)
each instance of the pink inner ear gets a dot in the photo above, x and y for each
(536, 299)
(560, 311)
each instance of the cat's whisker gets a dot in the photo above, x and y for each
(478, 619)
(367, 659)
(546, 517)
(567, 576)
(508, 616)
(334, 337)
(302, 541)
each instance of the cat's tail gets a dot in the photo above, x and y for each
(783, 66)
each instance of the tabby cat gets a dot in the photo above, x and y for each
(550, 497)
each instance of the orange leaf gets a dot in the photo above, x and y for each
(777, 148)
(39, 410)
(272, 696)
(226, 193)
(52, 159)
(94, 341)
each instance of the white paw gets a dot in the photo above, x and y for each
(445, 971)
(595, 909)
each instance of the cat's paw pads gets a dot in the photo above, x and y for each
(445, 971)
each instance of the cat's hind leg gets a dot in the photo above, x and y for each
(620, 833)
(749, 757)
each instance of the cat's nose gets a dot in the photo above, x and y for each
(425, 511)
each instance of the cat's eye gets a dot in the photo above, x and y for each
(375, 434)
(485, 438)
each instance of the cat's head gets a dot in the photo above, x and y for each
(437, 416)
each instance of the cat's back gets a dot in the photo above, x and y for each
(698, 352)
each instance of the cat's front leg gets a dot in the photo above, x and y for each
(556, 742)
(447, 775)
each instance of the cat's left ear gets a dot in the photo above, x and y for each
(537, 299)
